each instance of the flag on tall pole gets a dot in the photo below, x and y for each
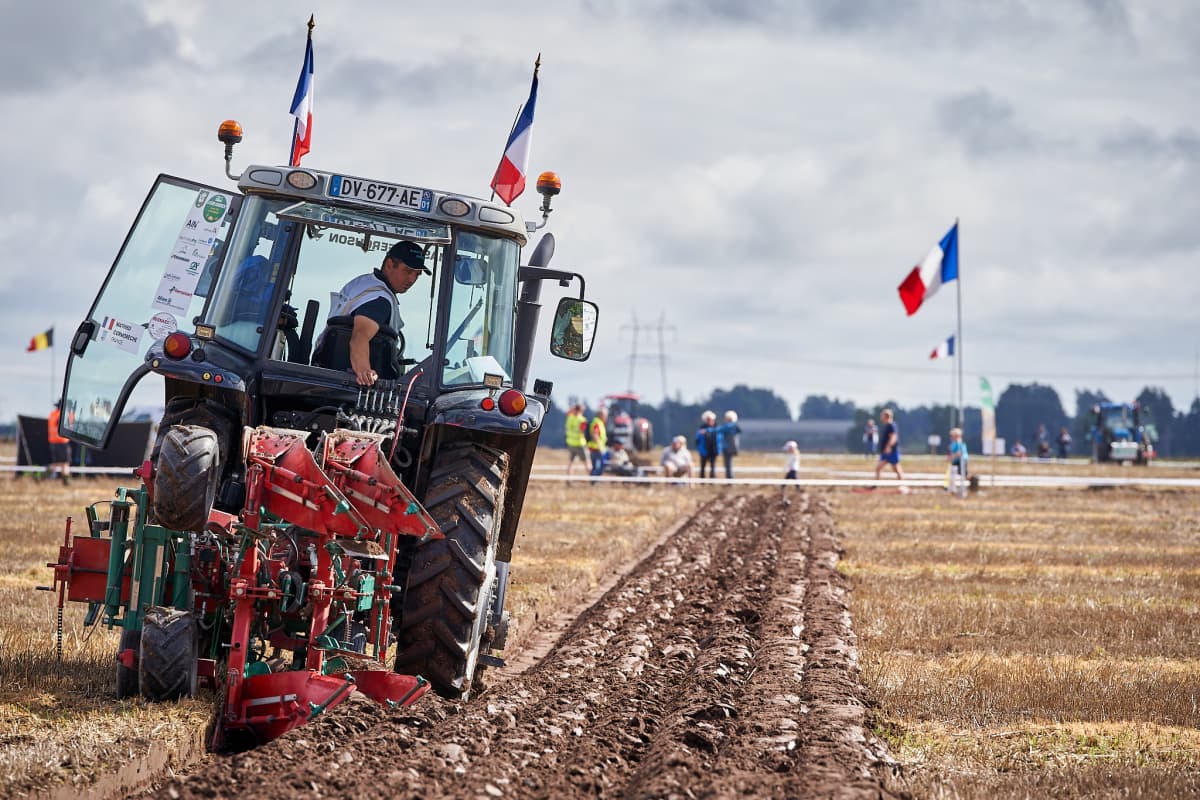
(41, 341)
(944, 350)
(509, 180)
(302, 104)
(939, 266)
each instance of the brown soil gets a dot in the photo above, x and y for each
(723, 665)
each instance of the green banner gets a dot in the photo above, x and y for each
(985, 391)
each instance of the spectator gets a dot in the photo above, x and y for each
(676, 459)
(870, 438)
(1018, 450)
(708, 443)
(597, 441)
(793, 464)
(1064, 442)
(617, 460)
(889, 451)
(729, 433)
(1042, 442)
(60, 447)
(576, 432)
(956, 456)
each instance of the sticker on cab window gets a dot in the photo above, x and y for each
(162, 325)
(120, 334)
(192, 248)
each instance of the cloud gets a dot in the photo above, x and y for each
(1137, 141)
(84, 41)
(983, 124)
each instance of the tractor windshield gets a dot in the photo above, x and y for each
(1115, 419)
(479, 332)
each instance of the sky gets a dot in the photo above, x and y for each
(755, 178)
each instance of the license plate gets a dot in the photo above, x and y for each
(384, 194)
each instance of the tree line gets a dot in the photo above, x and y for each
(1020, 409)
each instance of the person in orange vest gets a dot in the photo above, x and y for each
(60, 447)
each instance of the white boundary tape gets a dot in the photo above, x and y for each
(920, 480)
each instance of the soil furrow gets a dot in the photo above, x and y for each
(688, 679)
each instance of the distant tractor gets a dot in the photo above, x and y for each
(636, 433)
(1122, 432)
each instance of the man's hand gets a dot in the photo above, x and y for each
(360, 350)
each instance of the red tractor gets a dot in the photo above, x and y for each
(296, 536)
(636, 433)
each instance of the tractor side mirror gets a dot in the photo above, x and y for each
(574, 329)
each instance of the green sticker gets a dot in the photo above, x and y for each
(214, 209)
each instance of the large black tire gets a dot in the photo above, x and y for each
(127, 678)
(443, 627)
(167, 664)
(185, 477)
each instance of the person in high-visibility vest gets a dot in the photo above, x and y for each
(60, 447)
(598, 439)
(576, 438)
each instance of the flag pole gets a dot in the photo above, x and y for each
(962, 421)
(53, 365)
(312, 23)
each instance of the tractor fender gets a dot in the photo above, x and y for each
(450, 420)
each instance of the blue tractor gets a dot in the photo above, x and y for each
(1122, 432)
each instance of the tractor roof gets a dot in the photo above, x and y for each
(329, 188)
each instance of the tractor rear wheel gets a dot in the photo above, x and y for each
(185, 477)
(167, 664)
(443, 628)
(127, 677)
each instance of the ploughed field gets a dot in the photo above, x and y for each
(722, 665)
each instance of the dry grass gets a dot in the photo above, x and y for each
(60, 725)
(1032, 643)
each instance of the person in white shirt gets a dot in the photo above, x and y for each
(676, 459)
(793, 464)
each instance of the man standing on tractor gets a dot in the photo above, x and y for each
(598, 439)
(364, 323)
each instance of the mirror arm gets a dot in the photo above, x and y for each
(545, 274)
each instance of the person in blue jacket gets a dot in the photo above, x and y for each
(730, 431)
(708, 443)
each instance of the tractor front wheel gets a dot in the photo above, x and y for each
(167, 664)
(185, 477)
(442, 630)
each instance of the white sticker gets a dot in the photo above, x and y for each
(121, 334)
(192, 248)
(162, 325)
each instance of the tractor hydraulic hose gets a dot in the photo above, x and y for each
(403, 408)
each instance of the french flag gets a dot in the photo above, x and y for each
(938, 267)
(302, 107)
(943, 350)
(509, 180)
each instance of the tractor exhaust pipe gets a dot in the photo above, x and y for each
(528, 310)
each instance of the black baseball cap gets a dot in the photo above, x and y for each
(410, 254)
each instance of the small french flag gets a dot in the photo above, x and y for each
(302, 106)
(938, 267)
(509, 180)
(943, 350)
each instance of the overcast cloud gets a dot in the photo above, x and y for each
(759, 176)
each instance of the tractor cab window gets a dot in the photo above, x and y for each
(1115, 419)
(339, 244)
(479, 330)
(241, 302)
